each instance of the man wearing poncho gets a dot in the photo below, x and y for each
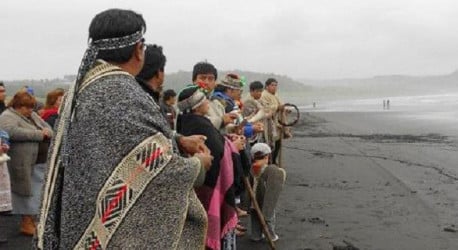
(115, 180)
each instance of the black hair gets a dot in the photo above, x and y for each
(256, 85)
(185, 93)
(169, 93)
(154, 62)
(2, 84)
(270, 81)
(203, 68)
(116, 23)
(221, 88)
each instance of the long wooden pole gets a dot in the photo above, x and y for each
(258, 212)
(280, 150)
(280, 144)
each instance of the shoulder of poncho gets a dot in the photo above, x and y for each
(121, 86)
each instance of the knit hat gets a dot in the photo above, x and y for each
(260, 149)
(232, 81)
(190, 98)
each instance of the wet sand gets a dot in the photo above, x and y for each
(374, 180)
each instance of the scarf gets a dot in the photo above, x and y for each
(217, 195)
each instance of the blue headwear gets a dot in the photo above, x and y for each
(4, 137)
(30, 90)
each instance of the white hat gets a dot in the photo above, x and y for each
(260, 149)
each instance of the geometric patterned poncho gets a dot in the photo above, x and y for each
(123, 187)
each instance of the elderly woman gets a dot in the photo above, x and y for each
(26, 130)
(217, 193)
(50, 112)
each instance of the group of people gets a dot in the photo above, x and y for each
(126, 169)
(25, 135)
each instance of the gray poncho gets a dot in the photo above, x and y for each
(124, 187)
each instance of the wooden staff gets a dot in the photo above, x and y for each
(258, 212)
(280, 165)
(282, 130)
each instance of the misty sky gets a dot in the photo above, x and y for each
(302, 39)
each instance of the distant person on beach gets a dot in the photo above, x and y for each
(204, 75)
(269, 182)
(2, 97)
(388, 104)
(384, 104)
(115, 179)
(314, 105)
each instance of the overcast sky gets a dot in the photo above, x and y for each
(302, 39)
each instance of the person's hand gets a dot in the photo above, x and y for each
(46, 133)
(229, 117)
(287, 110)
(205, 159)
(268, 113)
(258, 127)
(4, 148)
(192, 144)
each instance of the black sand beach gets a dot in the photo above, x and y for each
(374, 180)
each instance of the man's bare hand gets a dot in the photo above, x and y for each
(193, 144)
(229, 117)
(205, 159)
(46, 133)
(4, 148)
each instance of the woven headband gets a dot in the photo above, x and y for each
(105, 44)
(192, 102)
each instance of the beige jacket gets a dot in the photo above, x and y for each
(272, 104)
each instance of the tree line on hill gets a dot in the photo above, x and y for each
(176, 81)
